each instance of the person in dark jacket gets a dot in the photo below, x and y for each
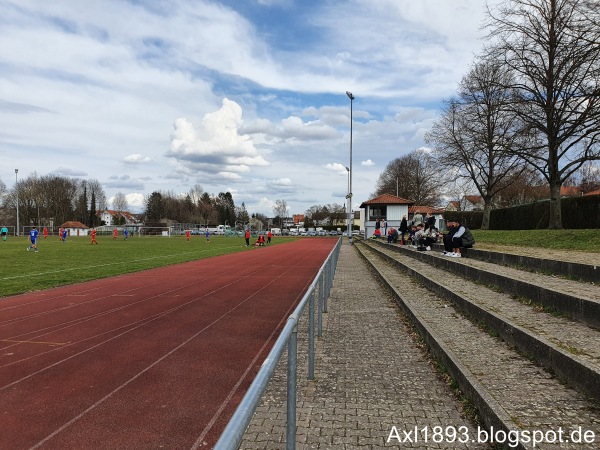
(403, 229)
(462, 237)
(429, 221)
(450, 230)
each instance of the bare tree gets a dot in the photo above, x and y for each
(280, 210)
(414, 176)
(476, 134)
(97, 201)
(337, 213)
(95, 188)
(527, 187)
(588, 177)
(552, 48)
(241, 216)
(317, 215)
(196, 194)
(120, 202)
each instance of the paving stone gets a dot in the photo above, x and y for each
(529, 395)
(371, 377)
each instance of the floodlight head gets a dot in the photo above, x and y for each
(349, 94)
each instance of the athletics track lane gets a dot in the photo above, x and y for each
(154, 359)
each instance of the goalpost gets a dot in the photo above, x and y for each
(155, 231)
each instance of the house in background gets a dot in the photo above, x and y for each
(472, 203)
(75, 228)
(107, 215)
(387, 208)
(298, 220)
(466, 203)
(453, 206)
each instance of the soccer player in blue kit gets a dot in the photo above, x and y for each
(33, 234)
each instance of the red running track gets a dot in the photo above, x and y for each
(155, 359)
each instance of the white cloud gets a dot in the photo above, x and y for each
(281, 182)
(216, 146)
(340, 169)
(121, 72)
(136, 159)
(136, 202)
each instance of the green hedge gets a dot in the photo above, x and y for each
(577, 213)
(472, 219)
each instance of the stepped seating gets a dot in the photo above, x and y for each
(522, 346)
(573, 270)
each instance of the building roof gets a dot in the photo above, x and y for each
(474, 199)
(453, 205)
(387, 199)
(74, 225)
(570, 191)
(596, 192)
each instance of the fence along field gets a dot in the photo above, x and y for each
(57, 264)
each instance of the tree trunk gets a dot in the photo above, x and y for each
(555, 220)
(485, 222)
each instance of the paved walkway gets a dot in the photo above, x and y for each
(371, 382)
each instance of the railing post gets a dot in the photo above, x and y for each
(290, 434)
(311, 336)
(327, 286)
(321, 296)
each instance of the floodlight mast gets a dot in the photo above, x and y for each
(17, 192)
(350, 214)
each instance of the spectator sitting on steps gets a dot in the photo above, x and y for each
(419, 238)
(392, 235)
(461, 238)
(411, 235)
(447, 238)
(431, 237)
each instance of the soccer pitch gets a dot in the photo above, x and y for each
(58, 263)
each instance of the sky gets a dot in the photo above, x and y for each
(240, 96)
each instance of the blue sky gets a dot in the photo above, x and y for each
(246, 96)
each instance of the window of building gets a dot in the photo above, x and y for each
(377, 212)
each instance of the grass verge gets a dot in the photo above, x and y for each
(580, 240)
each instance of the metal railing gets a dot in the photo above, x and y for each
(233, 434)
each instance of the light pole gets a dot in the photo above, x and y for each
(348, 195)
(17, 191)
(351, 97)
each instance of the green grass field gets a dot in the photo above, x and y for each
(578, 240)
(57, 264)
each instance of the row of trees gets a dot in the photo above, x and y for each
(423, 177)
(530, 103)
(201, 208)
(196, 206)
(526, 118)
(52, 198)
